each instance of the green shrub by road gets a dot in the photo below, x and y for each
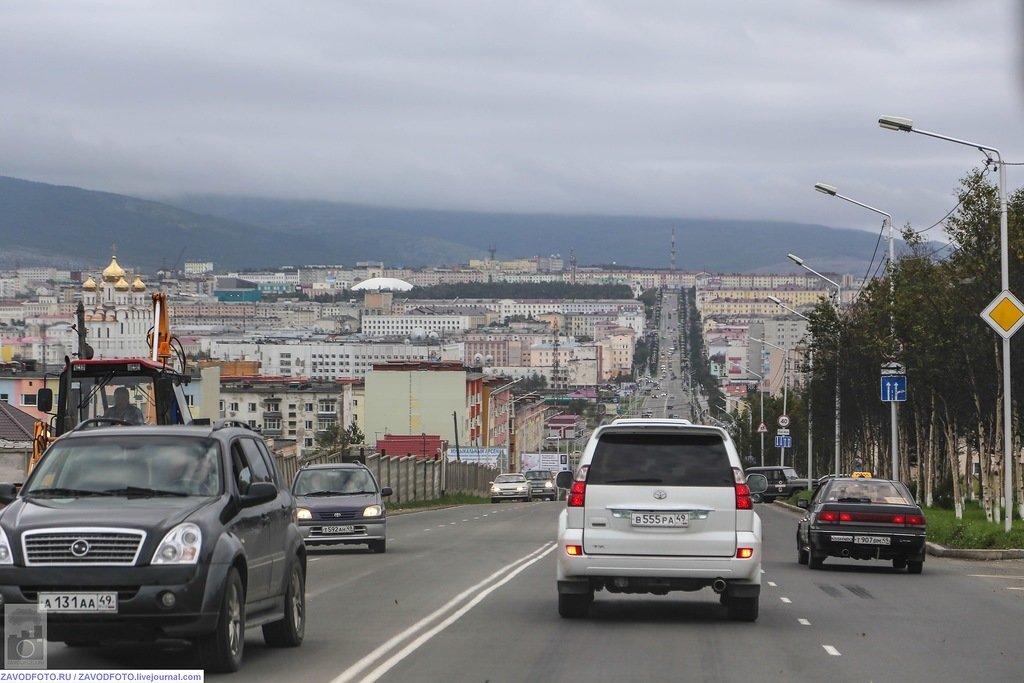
(973, 531)
(446, 501)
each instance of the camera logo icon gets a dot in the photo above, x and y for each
(25, 644)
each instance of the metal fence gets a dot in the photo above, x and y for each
(410, 478)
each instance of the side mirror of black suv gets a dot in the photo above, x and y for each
(259, 492)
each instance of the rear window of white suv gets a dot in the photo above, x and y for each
(632, 459)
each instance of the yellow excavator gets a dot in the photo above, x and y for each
(87, 387)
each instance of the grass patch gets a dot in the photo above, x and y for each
(445, 501)
(973, 531)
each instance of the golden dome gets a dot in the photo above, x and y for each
(113, 272)
(121, 285)
(89, 285)
(138, 285)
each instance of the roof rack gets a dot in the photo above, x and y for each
(224, 424)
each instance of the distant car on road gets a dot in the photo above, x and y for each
(542, 484)
(341, 504)
(863, 519)
(783, 482)
(510, 487)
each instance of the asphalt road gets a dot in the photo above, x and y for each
(467, 594)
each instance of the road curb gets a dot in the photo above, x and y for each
(937, 550)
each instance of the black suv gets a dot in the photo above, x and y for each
(163, 532)
(783, 482)
(542, 484)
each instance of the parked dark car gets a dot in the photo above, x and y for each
(863, 519)
(783, 482)
(149, 533)
(341, 503)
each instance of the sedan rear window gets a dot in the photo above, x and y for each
(662, 459)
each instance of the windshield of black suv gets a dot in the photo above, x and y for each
(661, 459)
(127, 465)
(538, 474)
(333, 482)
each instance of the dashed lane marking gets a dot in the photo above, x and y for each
(786, 600)
(803, 622)
(831, 650)
(773, 584)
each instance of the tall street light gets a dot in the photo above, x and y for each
(810, 367)
(785, 386)
(837, 303)
(907, 126)
(886, 223)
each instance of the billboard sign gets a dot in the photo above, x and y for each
(491, 457)
(551, 462)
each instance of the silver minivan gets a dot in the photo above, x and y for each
(659, 505)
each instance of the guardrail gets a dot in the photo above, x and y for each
(411, 478)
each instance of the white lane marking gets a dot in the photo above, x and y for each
(786, 600)
(831, 650)
(803, 622)
(995, 576)
(773, 584)
(314, 559)
(426, 529)
(353, 671)
(465, 520)
(388, 664)
(1015, 588)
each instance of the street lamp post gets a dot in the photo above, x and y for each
(810, 413)
(838, 301)
(785, 387)
(907, 126)
(762, 392)
(886, 223)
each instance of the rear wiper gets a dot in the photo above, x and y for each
(853, 500)
(634, 481)
(143, 492)
(64, 492)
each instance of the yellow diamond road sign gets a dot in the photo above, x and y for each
(1005, 314)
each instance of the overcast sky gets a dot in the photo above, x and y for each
(713, 109)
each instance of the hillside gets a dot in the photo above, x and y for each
(72, 227)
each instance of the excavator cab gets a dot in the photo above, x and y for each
(135, 391)
(124, 391)
(116, 391)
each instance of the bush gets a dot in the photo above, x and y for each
(973, 531)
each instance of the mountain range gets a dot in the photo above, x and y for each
(44, 224)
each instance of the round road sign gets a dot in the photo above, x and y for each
(783, 420)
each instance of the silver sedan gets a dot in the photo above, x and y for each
(510, 486)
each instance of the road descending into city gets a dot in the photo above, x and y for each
(468, 594)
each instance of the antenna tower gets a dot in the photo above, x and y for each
(572, 266)
(673, 249)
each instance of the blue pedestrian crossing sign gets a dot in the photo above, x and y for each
(894, 388)
(783, 442)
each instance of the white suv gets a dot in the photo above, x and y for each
(657, 506)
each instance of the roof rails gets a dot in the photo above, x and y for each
(224, 424)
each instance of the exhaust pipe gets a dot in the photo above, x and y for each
(718, 585)
(846, 552)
